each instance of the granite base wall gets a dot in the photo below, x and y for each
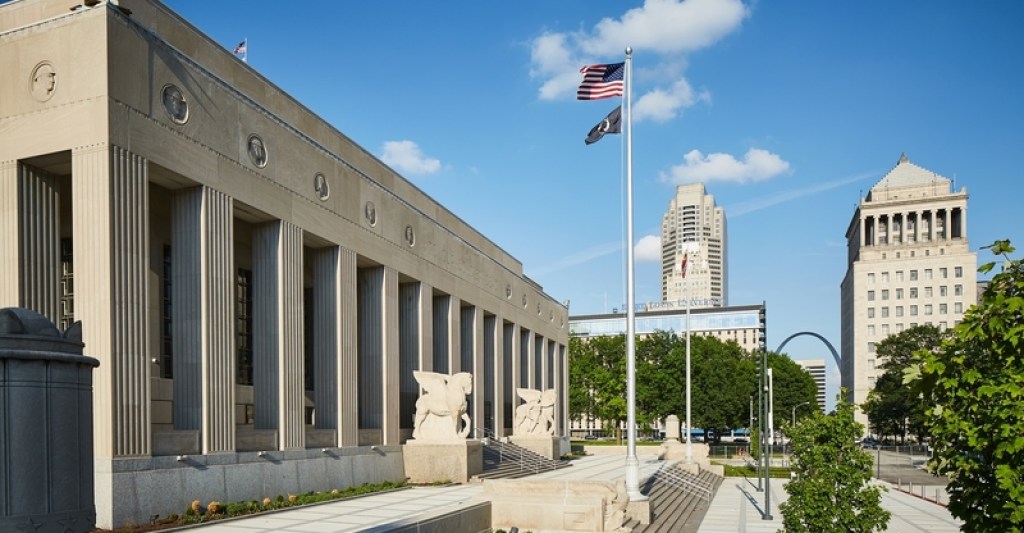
(131, 491)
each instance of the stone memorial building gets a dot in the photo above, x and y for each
(257, 287)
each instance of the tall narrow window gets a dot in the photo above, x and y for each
(243, 326)
(166, 339)
(66, 313)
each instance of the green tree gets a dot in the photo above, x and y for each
(976, 384)
(831, 489)
(893, 407)
(722, 382)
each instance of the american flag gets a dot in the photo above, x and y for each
(682, 265)
(601, 81)
(242, 47)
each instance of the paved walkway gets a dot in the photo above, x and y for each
(736, 507)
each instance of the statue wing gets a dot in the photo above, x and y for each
(549, 397)
(529, 395)
(432, 382)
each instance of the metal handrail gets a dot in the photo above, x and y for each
(528, 461)
(683, 480)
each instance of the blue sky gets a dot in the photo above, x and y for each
(788, 111)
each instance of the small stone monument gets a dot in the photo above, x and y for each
(438, 450)
(46, 449)
(534, 427)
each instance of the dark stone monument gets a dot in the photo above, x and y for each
(46, 482)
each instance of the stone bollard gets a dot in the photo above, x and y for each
(46, 406)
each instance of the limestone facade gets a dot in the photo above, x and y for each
(257, 287)
(908, 264)
(693, 230)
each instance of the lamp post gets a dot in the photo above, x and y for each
(794, 410)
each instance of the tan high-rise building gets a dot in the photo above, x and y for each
(909, 264)
(693, 229)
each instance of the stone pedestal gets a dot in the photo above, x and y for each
(433, 462)
(548, 447)
(46, 447)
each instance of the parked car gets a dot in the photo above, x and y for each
(869, 442)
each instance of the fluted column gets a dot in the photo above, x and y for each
(278, 377)
(110, 203)
(202, 314)
(10, 250)
(348, 358)
(498, 355)
(479, 370)
(390, 375)
(35, 240)
(326, 334)
(512, 351)
(527, 360)
(563, 395)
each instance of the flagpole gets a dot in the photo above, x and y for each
(632, 463)
(689, 433)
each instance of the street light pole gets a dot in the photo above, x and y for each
(794, 411)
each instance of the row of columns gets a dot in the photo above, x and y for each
(913, 226)
(369, 329)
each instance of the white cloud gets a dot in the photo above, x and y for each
(666, 27)
(756, 165)
(660, 105)
(648, 249)
(407, 158)
(660, 31)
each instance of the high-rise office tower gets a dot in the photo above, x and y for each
(693, 242)
(908, 263)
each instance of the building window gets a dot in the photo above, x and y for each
(871, 277)
(871, 312)
(899, 327)
(927, 292)
(927, 273)
(958, 272)
(871, 330)
(899, 310)
(958, 308)
(943, 309)
(942, 325)
(871, 364)
(913, 310)
(942, 290)
(928, 309)
(871, 347)
(166, 339)
(871, 296)
(885, 294)
(66, 311)
(913, 275)
(885, 312)
(243, 326)
(958, 290)
(944, 272)
(899, 276)
(885, 330)
(885, 277)
(899, 294)
(913, 292)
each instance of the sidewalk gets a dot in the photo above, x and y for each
(736, 507)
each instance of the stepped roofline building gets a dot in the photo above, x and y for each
(257, 287)
(908, 263)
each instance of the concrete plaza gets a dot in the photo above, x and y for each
(736, 507)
